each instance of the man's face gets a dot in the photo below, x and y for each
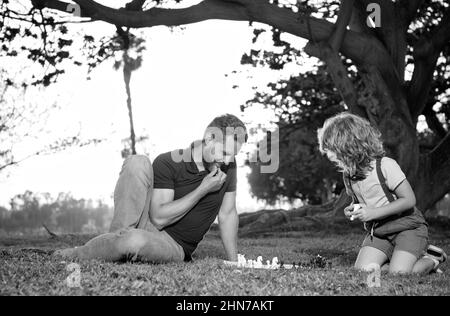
(217, 152)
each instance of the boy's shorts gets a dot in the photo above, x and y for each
(413, 241)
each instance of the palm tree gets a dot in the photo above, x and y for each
(131, 60)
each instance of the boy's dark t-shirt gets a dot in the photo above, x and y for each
(184, 177)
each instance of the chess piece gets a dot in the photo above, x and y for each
(241, 261)
(259, 262)
(274, 264)
(355, 208)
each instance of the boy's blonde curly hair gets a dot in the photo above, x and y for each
(352, 143)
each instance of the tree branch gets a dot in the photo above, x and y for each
(441, 154)
(392, 32)
(16, 162)
(411, 7)
(433, 122)
(358, 21)
(135, 5)
(329, 53)
(426, 54)
(361, 48)
(338, 73)
(345, 14)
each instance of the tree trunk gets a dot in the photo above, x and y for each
(433, 179)
(268, 220)
(127, 70)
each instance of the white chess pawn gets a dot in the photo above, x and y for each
(241, 261)
(274, 263)
(259, 262)
(355, 208)
(268, 264)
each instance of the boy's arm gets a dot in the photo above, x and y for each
(406, 199)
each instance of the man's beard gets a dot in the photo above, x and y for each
(219, 165)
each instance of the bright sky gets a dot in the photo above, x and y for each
(179, 89)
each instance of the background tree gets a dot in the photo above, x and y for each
(301, 104)
(357, 91)
(51, 44)
(391, 93)
(129, 64)
(22, 122)
(29, 211)
(126, 49)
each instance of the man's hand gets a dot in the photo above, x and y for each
(213, 181)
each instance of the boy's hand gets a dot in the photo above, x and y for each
(364, 214)
(348, 211)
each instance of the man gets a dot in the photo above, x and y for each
(162, 212)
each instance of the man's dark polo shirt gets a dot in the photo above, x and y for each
(183, 178)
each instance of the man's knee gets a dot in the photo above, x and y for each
(131, 242)
(138, 164)
(137, 161)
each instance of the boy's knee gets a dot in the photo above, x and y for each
(358, 266)
(420, 270)
(367, 267)
(361, 265)
(399, 270)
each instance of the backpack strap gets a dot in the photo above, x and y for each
(390, 196)
(382, 181)
(349, 189)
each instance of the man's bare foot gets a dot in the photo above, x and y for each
(69, 253)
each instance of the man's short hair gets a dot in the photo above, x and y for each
(227, 123)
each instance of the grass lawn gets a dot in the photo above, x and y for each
(27, 268)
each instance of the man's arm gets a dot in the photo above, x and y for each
(164, 210)
(229, 224)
